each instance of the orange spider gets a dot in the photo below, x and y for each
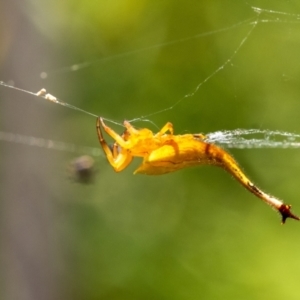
(165, 152)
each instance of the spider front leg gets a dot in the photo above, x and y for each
(118, 157)
(122, 143)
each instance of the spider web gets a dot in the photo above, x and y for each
(237, 138)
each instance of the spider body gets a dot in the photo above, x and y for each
(178, 152)
(165, 152)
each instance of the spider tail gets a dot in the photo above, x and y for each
(228, 163)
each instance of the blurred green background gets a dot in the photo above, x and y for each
(194, 234)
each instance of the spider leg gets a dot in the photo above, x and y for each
(130, 128)
(115, 149)
(118, 157)
(120, 141)
(166, 128)
(122, 160)
(108, 151)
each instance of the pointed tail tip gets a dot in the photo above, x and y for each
(285, 211)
